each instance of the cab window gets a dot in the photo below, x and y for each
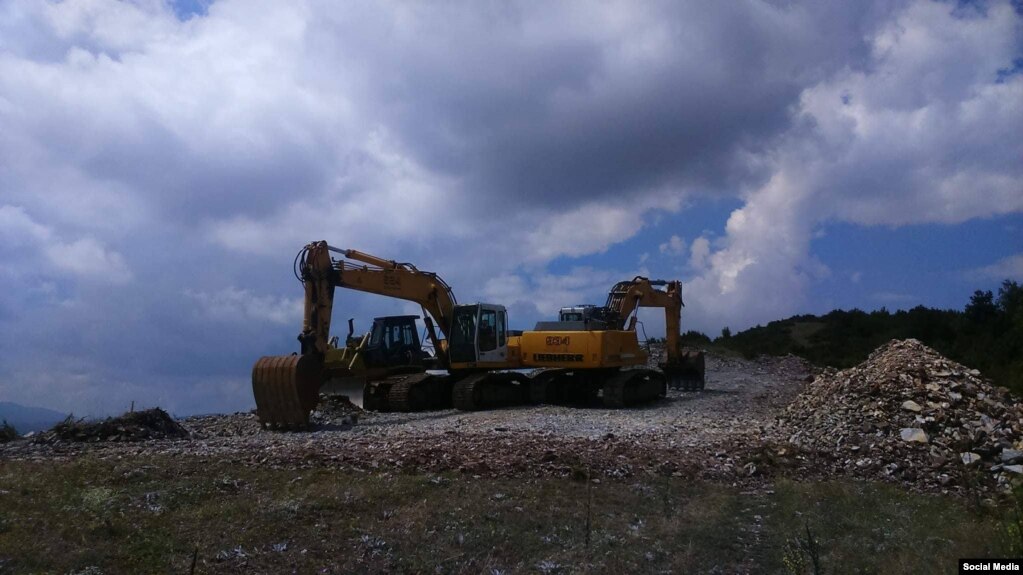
(501, 329)
(465, 326)
(488, 330)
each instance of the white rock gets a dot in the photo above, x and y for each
(1017, 469)
(969, 458)
(910, 405)
(1011, 455)
(914, 434)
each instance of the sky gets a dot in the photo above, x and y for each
(161, 163)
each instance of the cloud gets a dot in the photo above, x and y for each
(19, 229)
(86, 257)
(233, 304)
(674, 246)
(923, 132)
(1005, 268)
(89, 258)
(698, 253)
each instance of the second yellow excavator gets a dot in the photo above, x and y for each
(595, 356)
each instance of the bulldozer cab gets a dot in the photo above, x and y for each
(393, 341)
(479, 333)
(582, 317)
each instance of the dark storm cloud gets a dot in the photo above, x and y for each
(672, 94)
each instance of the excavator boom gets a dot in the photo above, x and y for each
(285, 387)
(683, 367)
(320, 274)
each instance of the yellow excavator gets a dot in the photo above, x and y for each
(286, 388)
(594, 356)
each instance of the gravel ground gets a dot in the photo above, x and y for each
(740, 396)
(702, 433)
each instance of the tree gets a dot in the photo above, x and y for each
(726, 333)
(1010, 299)
(982, 309)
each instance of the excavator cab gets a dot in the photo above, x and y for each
(393, 341)
(479, 334)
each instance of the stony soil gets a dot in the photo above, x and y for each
(706, 433)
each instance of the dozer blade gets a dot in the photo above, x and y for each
(351, 387)
(286, 388)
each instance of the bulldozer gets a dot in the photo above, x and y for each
(391, 349)
(590, 358)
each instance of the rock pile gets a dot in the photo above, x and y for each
(133, 426)
(336, 410)
(907, 413)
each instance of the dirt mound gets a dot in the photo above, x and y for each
(134, 426)
(908, 413)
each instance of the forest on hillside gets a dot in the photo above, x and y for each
(987, 334)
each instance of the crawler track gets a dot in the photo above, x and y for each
(408, 393)
(490, 390)
(419, 392)
(634, 386)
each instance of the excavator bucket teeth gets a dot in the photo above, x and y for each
(689, 374)
(286, 388)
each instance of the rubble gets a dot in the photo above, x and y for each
(907, 413)
(336, 410)
(133, 426)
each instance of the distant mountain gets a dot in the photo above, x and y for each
(25, 418)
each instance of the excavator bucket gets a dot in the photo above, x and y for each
(688, 374)
(286, 388)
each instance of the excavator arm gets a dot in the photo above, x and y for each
(684, 368)
(320, 274)
(286, 388)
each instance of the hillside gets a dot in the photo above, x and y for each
(987, 334)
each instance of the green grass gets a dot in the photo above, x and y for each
(151, 515)
(877, 528)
